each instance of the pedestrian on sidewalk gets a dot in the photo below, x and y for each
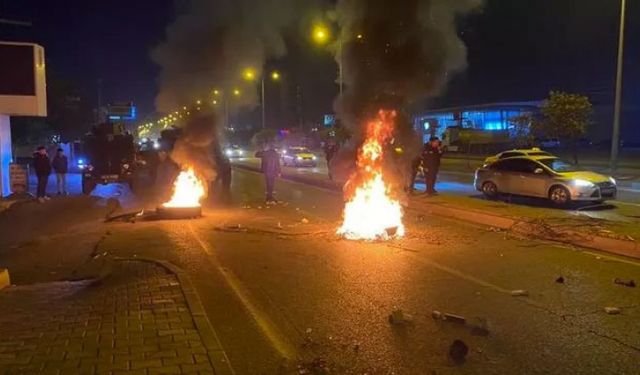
(42, 166)
(431, 156)
(270, 166)
(60, 167)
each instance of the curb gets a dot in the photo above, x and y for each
(611, 245)
(625, 248)
(216, 353)
(5, 281)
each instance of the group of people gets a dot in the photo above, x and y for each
(43, 166)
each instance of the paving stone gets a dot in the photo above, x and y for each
(135, 321)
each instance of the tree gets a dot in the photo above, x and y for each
(566, 117)
(521, 130)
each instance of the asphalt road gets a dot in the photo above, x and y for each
(287, 296)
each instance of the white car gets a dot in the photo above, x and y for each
(234, 151)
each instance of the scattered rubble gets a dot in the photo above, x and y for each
(447, 317)
(560, 280)
(519, 293)
(612, 310)
(627, 283)
(458, 351)
(399, 317)
(304, 220)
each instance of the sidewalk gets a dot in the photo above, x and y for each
(136, 320)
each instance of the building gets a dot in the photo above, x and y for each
(492, 117)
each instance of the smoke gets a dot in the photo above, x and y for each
(396, 52)
(197, 146)
(212, 41)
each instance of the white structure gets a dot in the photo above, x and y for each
(23, 92)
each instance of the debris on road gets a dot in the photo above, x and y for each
(316, 367)
(519, 293)
(458, 351)
(399, 317)
(560, 280)
(447, 317)
(627, 283)
(304, 220)
(612, 310)
(495, 229)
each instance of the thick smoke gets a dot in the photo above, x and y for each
(212, 41)
(197, 146)
(396, 52)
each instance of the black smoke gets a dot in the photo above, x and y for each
(395, 53)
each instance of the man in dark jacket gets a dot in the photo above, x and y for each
(271, 169)
(42, 167)
(431, 156)
(61, 167)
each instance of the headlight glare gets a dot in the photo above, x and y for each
(582, 183)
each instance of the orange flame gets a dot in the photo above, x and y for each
(188, 190)
(371, 213)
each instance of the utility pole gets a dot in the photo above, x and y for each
(615, 138)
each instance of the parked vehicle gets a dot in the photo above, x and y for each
(516, 152)
(107, 156)
(298, 157)
(234, 151)
(544, 177)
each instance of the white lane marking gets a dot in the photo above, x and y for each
(267, 327)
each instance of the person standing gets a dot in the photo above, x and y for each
(270, 166)
(61, 167)
(42, 167)
(431, 156)
(416, 164)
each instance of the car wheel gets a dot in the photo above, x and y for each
(490, 189)
(559, 195)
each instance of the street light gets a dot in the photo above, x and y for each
(321, 35)
(615, 137)
(275, 76)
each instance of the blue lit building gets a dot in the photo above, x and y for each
(494, 116)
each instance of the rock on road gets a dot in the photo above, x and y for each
(288, 297)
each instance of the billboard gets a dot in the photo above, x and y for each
(23, 90)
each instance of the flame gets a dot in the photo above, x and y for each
(188, 190)
(371, 213)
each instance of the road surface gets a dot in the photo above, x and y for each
(286, 295)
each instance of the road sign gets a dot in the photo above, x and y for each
(19, 178)
(122, 112)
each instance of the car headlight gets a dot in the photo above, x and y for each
(613, 180)
(229, 152)
(582, 183)
(240, 152)
(299, 157)
(314, 157)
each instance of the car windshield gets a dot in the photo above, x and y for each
(558, 165)
(299, 150)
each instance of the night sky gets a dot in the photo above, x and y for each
(518, 50)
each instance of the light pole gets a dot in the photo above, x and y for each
(249, 75)
(615, 138)
(321, 35)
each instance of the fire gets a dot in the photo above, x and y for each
(371, 213)
(188, 190)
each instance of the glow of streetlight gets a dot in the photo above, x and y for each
(275, 76)
(198, 102)
(215, 102)
(236, 92)
(216, 92)
(320, 34)
(249, 74)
